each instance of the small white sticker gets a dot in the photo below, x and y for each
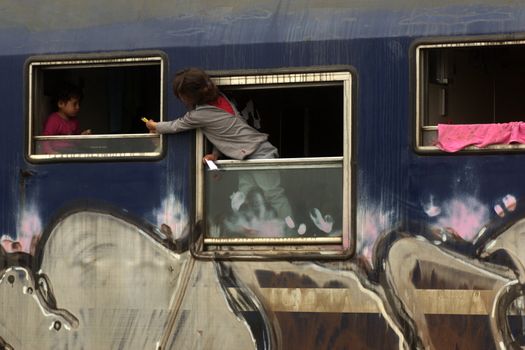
(211, 165)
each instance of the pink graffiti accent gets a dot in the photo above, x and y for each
(465, 216)
(324, 223)
(507, 204)
(173, 214)
(29, 233)
(431, 209)
(510, 202)
(499, 210)
(372, 221)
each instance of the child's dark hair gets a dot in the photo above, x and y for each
(67, 91)
(195, 85)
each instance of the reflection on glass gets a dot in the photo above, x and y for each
(274, 203)
(96, 145)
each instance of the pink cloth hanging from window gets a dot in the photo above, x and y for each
(455, 137)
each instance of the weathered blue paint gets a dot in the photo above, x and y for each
(375, 38)
(64, 27)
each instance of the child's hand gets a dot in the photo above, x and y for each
(209, 156)
(151, 125)
(86, 132)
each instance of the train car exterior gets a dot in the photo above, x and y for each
(391, 220)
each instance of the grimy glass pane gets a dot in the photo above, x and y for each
(274, 203)
(100, 145)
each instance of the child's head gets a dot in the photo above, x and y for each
(68, 100)
(194, 87)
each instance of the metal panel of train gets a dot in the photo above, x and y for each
(398, 220)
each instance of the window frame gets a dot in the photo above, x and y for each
(420, 81)
(92, 60)
(296, 248)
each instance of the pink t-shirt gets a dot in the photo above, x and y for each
(56, 125)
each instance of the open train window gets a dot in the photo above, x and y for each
(300, 202)
(470, 96)
(117, 91)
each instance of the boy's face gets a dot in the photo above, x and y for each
(69, 108)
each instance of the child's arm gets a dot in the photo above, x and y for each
(189, 121)
(150, 124)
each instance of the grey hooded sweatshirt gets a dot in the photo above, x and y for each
(230, 134)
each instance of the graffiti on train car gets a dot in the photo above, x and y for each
(100, 278)
(29, 233)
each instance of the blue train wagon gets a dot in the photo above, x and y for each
(391, 220)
